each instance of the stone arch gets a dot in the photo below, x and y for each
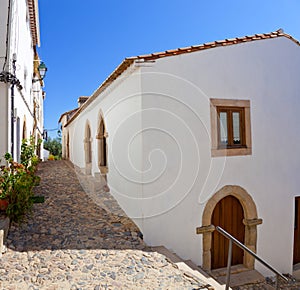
(250, 221)
(88, 148)
(102, 145)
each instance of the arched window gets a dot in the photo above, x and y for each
(102, 147)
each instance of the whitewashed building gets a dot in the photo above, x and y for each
(201, 136)
(21, 94)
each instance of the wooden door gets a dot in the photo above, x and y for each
(229, 215)
(296, 259)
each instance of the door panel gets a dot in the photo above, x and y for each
(229, 215)
(296, 259)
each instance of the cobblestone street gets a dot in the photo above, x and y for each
(70, 242)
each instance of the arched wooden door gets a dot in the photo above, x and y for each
(229, 215)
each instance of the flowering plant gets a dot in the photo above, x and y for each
(17, 181)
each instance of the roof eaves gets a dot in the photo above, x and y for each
(67, 113)
(114, 75)
(153, 56)
(34, 21)
(213, 44)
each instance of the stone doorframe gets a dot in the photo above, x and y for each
(250, 221)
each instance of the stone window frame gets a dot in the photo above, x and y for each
(230, 103)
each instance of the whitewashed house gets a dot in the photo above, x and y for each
(201, 136)
(21, 94)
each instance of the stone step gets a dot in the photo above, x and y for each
(189, 268)
(239, 276)
(296, 271)
(170, 255)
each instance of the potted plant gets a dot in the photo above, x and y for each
(3, 204)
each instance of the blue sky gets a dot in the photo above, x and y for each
(82, 42)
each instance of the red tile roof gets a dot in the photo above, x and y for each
(69, 114)
(213, 44)
(153, 56)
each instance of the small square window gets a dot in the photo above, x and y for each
(230, 127)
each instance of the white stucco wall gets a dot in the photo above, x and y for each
(19, 43)
(3, 87)
(177, 90)
(161, 171)
(121, 113)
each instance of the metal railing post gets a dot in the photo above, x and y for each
(229, 264)
(276, 283)
(240, 245)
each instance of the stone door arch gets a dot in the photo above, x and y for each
(250, 221)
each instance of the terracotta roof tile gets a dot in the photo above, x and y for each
(70, 113)
(148, 57)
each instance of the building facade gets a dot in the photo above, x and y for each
(21, 93)
(196, 137)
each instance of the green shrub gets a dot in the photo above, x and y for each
(17, 181)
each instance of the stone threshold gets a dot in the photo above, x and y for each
(239, 276)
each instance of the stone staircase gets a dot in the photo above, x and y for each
(240, 275)
(97, 189)
(189, 268)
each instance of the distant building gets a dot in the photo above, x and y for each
(201, 136)
(64, 119)
(21, 107)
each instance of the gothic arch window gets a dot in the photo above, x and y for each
(102, 146)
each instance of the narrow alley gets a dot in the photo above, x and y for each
(70, 242)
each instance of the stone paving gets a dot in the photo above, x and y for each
(70, 242)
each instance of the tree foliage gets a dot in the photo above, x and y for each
(53, 146)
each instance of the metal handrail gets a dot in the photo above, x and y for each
(242, 246)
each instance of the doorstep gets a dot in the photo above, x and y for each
(239, 276)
